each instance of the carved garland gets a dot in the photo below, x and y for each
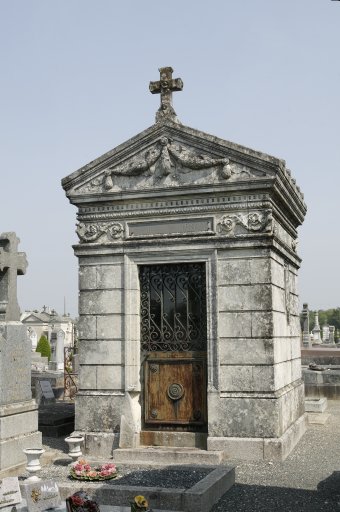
(92, 232)
(254, 222)
(169, 155)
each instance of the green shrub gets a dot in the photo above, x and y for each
(44, 347)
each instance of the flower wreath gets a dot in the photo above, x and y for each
(81, 470)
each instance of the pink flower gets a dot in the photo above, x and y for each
(87, 467)
(109, 466)
(92, 474)
(104, 472)
(78, 467)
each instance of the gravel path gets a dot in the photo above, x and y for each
(307, 481)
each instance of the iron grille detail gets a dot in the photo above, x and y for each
(173, 307)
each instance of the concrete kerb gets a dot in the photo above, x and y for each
(201, 496)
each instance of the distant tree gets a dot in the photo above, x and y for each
(44, 347)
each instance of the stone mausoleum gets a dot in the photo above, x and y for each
(189, 323)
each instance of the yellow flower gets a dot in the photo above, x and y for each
(141, 502)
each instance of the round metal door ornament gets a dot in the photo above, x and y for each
(175, 391)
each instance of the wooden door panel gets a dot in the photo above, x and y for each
(175, 389)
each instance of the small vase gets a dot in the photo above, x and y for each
(33, 463)
(74, 443)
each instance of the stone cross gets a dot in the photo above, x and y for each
(12, 263)
(165, 86)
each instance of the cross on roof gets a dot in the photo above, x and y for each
(164, 87)
(12, 263)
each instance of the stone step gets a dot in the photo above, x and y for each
(173, 439)
(167, 456)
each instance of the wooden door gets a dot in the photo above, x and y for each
(173, 343)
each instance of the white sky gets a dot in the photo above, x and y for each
(74, 84)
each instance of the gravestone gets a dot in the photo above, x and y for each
(57, 349)
(18, 412)
(325, 334)
(189, 331)
(316, 331)
(331, 334)
(306, 341)
(60, 349)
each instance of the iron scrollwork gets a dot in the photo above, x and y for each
(173, 307)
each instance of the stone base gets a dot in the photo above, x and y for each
(165, 456)
(99, 444)
(175, 439)
(260, 448)
(18, 430)
(317, 418)
(317, 405)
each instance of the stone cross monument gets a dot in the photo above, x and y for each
(12, 263)
(189, 329)
(18, 411)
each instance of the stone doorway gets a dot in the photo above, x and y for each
(173, 348)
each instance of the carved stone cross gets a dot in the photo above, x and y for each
(12, 263)
(164, 87)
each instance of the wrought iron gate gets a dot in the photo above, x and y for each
(173, 344)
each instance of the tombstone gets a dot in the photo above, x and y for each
(52, 365)
(33, 337)
(331, 334)
(316, 329)
(60, 349)
(189, 328)
(306, 341)
(18, 412)
(325, 334)
(57, 338)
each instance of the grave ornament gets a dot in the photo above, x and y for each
(164, 87)
(12, 263)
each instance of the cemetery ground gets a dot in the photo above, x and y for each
(308, 480)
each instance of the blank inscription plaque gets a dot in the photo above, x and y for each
(171, 227)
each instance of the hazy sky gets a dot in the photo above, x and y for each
(74, 84)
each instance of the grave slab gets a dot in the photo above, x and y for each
(201, 496)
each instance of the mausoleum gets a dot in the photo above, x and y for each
(189, 329)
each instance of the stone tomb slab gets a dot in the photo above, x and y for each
(205, 486)
(56, 419)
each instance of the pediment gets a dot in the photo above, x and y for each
(32, 319)
(169, 156)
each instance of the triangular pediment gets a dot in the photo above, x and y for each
(33, 319)
(169, 155)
